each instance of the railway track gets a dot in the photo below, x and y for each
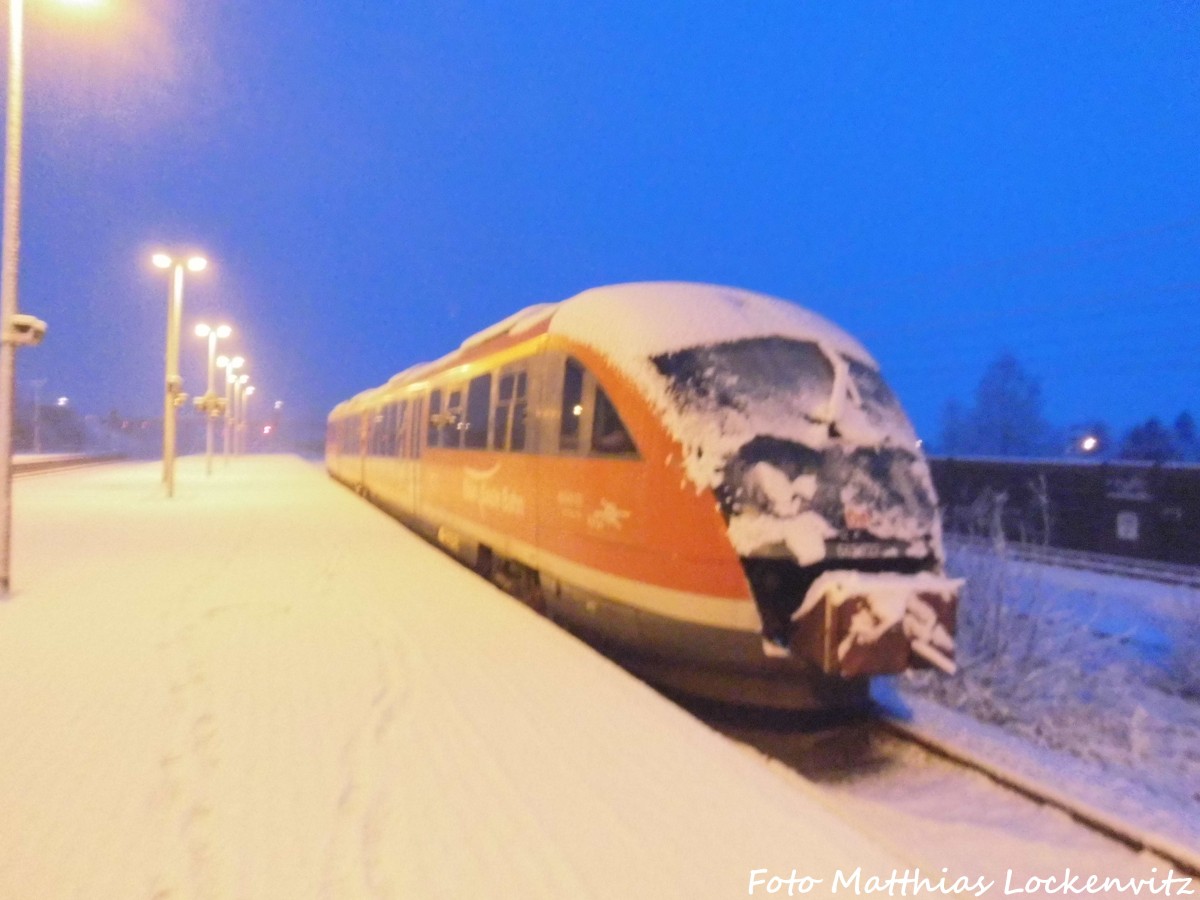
(37, 466)
(877, 749)
(1185, 859)
(1145, 569)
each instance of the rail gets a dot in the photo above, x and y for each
(38, 464)
(1185, 858)
(1145, 569)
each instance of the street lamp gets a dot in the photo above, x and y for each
(229, 364)
(15, 329)
(173, 396)
(210, 404)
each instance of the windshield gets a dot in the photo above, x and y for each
(764, 378)
(878, 404)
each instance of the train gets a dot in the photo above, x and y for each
(713, 486)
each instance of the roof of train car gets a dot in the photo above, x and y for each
(630, 323)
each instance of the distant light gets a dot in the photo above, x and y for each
(279, 404)
(578, 410)
(1089, 443)
(224, 331)
(920, 443)
(249, 390)
(197, 264)
(202, 330)
(242, 379)
(161, 260)
(266, 429)
(222, 361)
(63, 401)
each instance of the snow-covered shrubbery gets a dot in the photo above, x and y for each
(1100, 667)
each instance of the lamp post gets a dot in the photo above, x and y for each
(246, 395)
(173, 396)
(239, 390)
(229, 364)
(208, 403)
(15, 329)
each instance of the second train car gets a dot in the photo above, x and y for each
(714, 486)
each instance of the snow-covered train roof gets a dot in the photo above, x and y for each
(630, 323)
(646, 319)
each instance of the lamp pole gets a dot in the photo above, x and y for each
(15, 329)
(208, 405)
(239, 413)
(246, 395)
(173, 395)
(229, 365)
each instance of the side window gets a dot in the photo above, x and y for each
(386, 447)
(572, 406)
(398, 447)
(435, 419)
(508, 424)
(377, 433)
(454, 425)
(609, 435)
(475, 425)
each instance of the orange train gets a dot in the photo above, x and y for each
(714, 486)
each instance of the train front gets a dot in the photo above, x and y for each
(827, 498)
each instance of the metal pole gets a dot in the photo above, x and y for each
(38, 384)
(9, 256)
(246, 420)
(208, 423)
(238, 439)
(174, 313)
(228, 408)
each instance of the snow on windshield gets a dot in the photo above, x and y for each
(766, 380)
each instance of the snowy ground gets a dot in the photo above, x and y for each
(1100, 673)
(267, 688)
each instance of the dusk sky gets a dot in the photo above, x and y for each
(374, 181)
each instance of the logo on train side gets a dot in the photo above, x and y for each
(484, 496)
(608, 515)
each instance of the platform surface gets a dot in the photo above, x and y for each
(265, 687)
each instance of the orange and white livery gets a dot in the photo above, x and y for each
(712, 485)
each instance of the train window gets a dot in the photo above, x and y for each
(771, 379)
(435, 419)
(400, 409)
(520, 408)
(475, 426)
(609, 434)
(375, 444)
(387, 429)
(508, 423)
(453, 423)
(414, 448)
(572, 406)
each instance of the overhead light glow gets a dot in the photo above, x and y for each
(197, 264)
(224, 331)
(161, 260)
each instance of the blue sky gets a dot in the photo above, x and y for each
(375, 181)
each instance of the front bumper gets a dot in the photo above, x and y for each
(854, 623)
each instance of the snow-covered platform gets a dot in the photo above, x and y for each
(267, 688)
